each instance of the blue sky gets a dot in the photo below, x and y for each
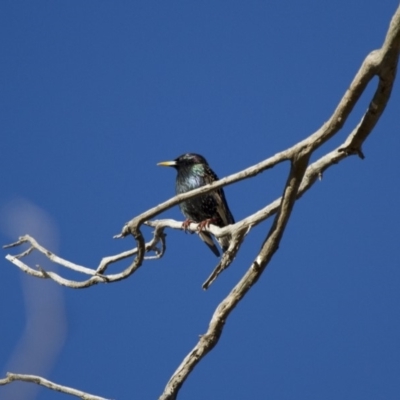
(94, 94)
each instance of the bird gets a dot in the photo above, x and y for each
(193, 172)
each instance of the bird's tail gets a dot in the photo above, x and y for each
(207, 239)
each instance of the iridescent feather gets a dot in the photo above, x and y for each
(194, 172)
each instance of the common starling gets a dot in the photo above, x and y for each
(194, 172)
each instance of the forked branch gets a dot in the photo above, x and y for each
(380, 63)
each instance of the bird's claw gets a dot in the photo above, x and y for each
(205, 224)
(186, 224)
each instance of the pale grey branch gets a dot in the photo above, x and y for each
(97, 276)
(381, 63)
(10, 377)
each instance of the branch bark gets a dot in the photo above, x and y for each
(11, 377)
(381, 63)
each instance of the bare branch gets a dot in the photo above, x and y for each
(228, 257)
(211, 337)
(300, 179)
(97, 276)
(51, 256)
(10, 377)
(381, 63)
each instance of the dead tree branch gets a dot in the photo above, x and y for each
(381, 63)
(51, 385)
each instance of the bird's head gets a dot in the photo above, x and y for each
(185, 161)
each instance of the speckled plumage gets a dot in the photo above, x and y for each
(194, 172)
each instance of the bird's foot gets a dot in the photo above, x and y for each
(186, 224)
(205, 223)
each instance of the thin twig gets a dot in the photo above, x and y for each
(380, 63)
(11, 377)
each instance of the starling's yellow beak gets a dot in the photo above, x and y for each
(167, 164)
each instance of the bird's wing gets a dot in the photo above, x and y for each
(219, 197)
